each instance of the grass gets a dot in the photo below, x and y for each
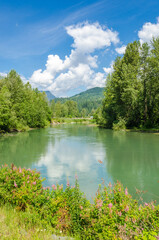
(21, 225)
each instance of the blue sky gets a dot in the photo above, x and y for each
(69, 46)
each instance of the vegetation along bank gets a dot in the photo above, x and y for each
(112, 215)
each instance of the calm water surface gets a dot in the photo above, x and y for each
(61, 152)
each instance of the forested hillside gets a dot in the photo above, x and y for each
(131, 97)
(21, 107)
(85, 103)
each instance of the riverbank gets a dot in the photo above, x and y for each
(87, 121)
(112, 215)
(144, 130)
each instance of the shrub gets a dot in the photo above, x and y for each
(120, 125)
(112, 215)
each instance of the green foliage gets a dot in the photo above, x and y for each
(20, 106)
(113, 214)
(87, 102)
(132, 90)
(120, 125)
(67, 109)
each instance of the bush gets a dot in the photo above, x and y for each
(120, 125)
(112, 215)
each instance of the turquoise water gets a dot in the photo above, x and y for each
(61, 152)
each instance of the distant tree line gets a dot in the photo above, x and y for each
(131, 96)
(21, 106)
(70, 108)
(85, 104)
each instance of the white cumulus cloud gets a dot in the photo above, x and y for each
(88, 37)
(121, 50)
(148, 31)
(2, 74)
(77, 69)
(109, 69)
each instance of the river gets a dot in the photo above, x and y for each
(91, 153)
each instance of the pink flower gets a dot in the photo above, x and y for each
(99, 203)
(15, 185)
(146, 204)
(110, 205)
(81, 207)
(28, 177)
(110, 185)
(119, 213)
(126, 209)
(20, 170)
(54, 187)
(61, 187)
(126, 191)
(34, 183)
(27, 181)
(68, 184)
(153, 207)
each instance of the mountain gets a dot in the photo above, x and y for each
(49, 95)
(89, 99)
(90, 94)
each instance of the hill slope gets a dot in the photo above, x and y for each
(89, 99)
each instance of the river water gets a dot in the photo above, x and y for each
(91, 153)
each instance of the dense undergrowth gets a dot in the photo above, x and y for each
(112, 215)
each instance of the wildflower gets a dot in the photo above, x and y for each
(68, 184)
(140, 208)
(146, 204)
(119, 213)
(61, 187)
(134, 220)
(27, 181)
(54, 187)
(81, 207)
(153, 207)
(110, 185)
(99, 203)
(126, 191)
(126, 219)
(15, 185)
(20, 170)
(34, 183)
(110, 205)
(28, 177)
(126, 209)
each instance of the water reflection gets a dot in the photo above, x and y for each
(63, 151)
(72, 154)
